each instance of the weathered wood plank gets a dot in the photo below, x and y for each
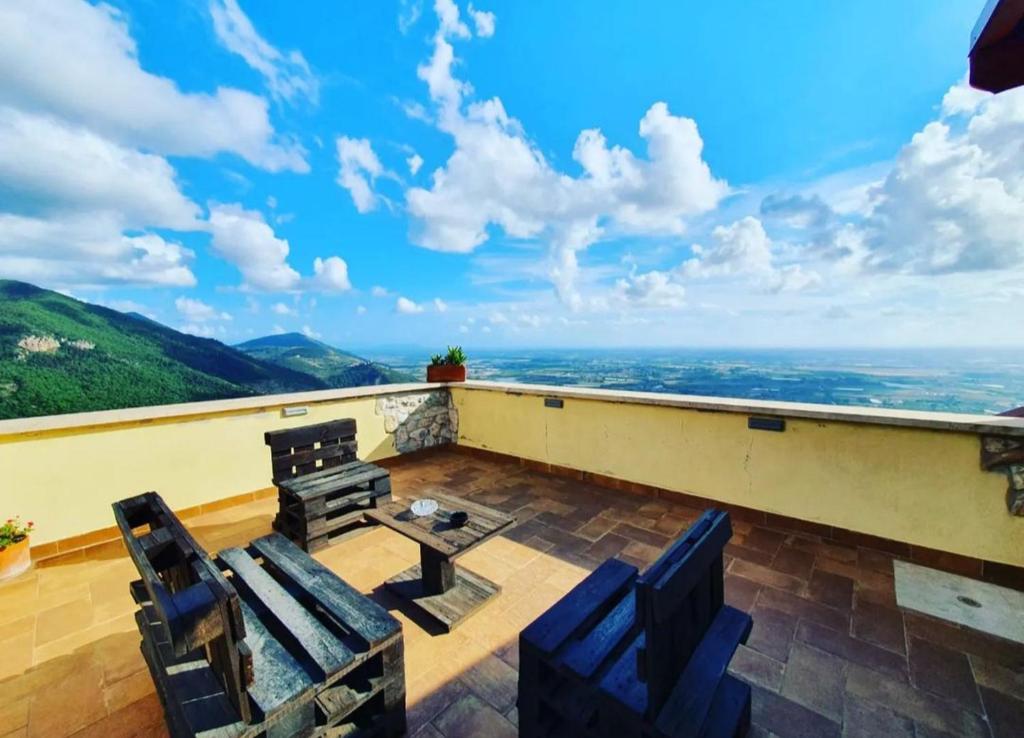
(574, 611)
(469, 593)
(323, 647)
(365, 618)
(689, 703)
(310, 434)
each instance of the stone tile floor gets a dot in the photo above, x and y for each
(830, 653)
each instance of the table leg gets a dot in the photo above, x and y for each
(438, 571)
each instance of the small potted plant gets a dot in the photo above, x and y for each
(14, 553)
(448, 368)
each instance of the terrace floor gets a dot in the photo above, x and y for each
(830, 653)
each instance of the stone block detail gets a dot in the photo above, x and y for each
(1006, 454)
(419, 419)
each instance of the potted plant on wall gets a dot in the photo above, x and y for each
(14, 553)
(450, 367)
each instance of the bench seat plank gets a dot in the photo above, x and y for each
(585, 656)
(346, 475)
(689, 703)
(570, 613)
(279, 677)
(368, 620)
(326, 650)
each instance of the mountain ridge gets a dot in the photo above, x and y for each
(63, 355)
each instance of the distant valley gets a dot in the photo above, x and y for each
(62, 355)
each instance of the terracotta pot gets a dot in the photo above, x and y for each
(446, 373)
(15, 559)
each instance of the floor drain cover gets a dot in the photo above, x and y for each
(970, 602)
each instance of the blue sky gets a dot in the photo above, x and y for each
(516, 174)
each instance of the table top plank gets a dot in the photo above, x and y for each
(434, 531)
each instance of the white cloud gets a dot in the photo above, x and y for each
(440, 305)
(415, 162)
(409, 12)
(277, 330)
(197, 311)
(330, 274)
(309, 332)
(280, 308)
(79, 61)
(287, 75)
(64, 167)
(89, 250)
(743, 249)
(483, 20)
(203, 330)
(497, 177)
(358, 168)
(378, 291)
(360, 310)
(407, 307)
(740, 248)
(652, 289)
(243, 238)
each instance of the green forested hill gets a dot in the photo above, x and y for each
(333, 366)
(61, 355)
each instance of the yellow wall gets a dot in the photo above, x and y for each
(65, 482)
(916, 485)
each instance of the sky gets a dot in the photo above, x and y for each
(508, 174)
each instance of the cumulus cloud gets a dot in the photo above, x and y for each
(244, 238)
(358, 168)
(79, 61)
(60, 167)
(287, 75)
(652, 289)
(378, 291)
(415, 162)
(744, 249)
(89, 250)
(330, 274)
(198, 311)
(309, 332)
(496, 176)
(280, 308)
(797, 211)
(483, 21)
(405, 306)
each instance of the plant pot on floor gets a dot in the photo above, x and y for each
(446, 373)
(15, 559)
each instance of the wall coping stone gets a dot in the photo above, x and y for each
(955, 422)
(184, 411)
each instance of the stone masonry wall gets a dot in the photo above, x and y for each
(419, 419)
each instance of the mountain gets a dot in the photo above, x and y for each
(334, 367)
(61, 355)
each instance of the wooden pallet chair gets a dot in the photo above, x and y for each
(642, 656)
(261, 642)
(323, 487)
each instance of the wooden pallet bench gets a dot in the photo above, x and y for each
(640, 656)
(323, 488)
(259, 642)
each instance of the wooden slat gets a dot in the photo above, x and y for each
(434, 532)
(280, 678)
(571, 613)
(730, 710)
(585, 656)
(346, 450)
(310, 434)
(687, 707)
(323, 647)
(622, 683)
(336, 478)
(365, 618)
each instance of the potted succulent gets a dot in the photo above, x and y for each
(14, 553)
(451, 367)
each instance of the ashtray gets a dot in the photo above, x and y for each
(458, 518)
(422, 508)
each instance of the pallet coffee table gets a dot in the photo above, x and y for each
(447, 593)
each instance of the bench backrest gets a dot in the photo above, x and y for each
(197, 606)
(298, 451)
(677, 598)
